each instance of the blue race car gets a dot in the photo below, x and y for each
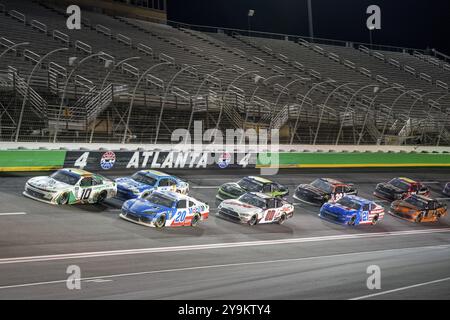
(146, 181)
(165, 209)
(352, 211)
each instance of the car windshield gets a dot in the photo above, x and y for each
(322, 185)
(399, 184)
(160, 199)
(416, 202)
(250, 185)
(349, 203)
(142, 178)
(253, 200)
(65, 177)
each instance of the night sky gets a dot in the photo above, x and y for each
(405, 23)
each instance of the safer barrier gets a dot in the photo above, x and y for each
(359, 160)
(31, 160)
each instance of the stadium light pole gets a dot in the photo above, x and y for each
(165, 96)
(341, 127)
(310, 21)
(372, 104)
(371, 28)
(130, 108)
(303, 101)
(250, 14)
(115, 66)
(13, 47)
(326, 103)
(391, 108)
(24, 101)
(98, 54)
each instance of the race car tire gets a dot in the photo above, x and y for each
(195, 220)
(375, 220)
(101, 197)
(282, 219)
(419, 218)
(253, 220)
(63, 199)
(160, 221)
(352, 221)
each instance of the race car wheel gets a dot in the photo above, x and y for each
(419, 218)
(160, 221)
(352, 221)
(101, 197)
(63, 199)
(253, 220)
(195, 220)
(282, 219)
(375, 220)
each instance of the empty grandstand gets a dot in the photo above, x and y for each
(123, 79)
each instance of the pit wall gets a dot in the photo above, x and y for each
(120, 157)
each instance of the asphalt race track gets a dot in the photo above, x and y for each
(305, 258)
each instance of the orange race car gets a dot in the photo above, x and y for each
(418, 209)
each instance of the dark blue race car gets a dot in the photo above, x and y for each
(352, 210)
(146, 181)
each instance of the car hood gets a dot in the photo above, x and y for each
(311, 189)
(144, 207)
(129, 183)
(48, 183)
(239, 207)
(339, 209)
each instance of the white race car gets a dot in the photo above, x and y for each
(70, 186)
(253, 208)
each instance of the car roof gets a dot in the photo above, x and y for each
(262, 195)
(79, 172)
(422, 197)
(155, 173)
(331, 181)
(407, 180)
(359, 199)
(259, 179)
(175, 196)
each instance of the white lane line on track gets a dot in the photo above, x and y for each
(12, 213)
(226, 245)
(401, 289)
(98, 280)
(121, 275)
